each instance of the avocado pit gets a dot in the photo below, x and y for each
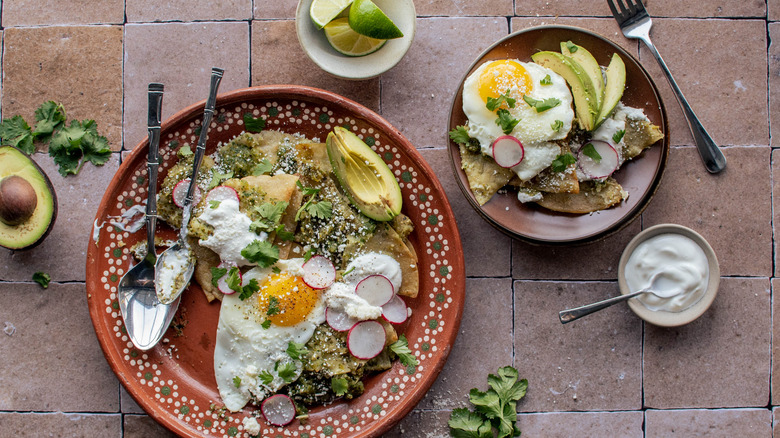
(17, 200)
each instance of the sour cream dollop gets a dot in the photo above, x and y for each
(669, 262)
(231, 232)
(342, 295)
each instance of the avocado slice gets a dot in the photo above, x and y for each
(585, 102)
(24, 224)
(588, 63)
(613, 91)
(367, 181)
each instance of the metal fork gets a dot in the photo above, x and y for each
(636, 23)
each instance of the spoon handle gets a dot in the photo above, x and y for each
(153, 162)
(570, 315)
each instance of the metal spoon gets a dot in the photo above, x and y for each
(145, 317)
(570, 315)
(177, 263)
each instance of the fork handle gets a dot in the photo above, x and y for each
(155, 96)
(713, 157)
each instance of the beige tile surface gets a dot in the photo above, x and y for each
(54, 12)
(565, 424)
(606, 27)
(187, 10)
(59, 425)
(142, 426)
(774, 80)
(747, 423)
(773, 9)
(463, 7)
(47, 376)
(79, 66)
(656, 8)
(421, 424)
(277, 9)
(179, 55)
(728, 348)
(775, 383)
(558, 360)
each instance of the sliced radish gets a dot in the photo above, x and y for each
(319, 272)
(598, 168)
(377, 290)
(508, 151)
(180, 193)
(366, 339)
(338, 319)
(395, 311)
(278, 410)
(222, 193)
(222, 282)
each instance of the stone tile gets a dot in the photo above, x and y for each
(57, 362)
(278, 9)
(421, 424)
(463, 8)
(656, 8)
(593, 261)
(744, 423)
(723, 94)
(54, 12)
(540, 8)
(179, 55)
(775, 376)
(142, 426)
(474, 231)
(774, 80)
(277, 58)
(63, 254)
(563, 424)
(775, 422)
(187, 10)
(487, 315)
(720, 360)
(775, 178)
(606, 27)
(732, 210)
(565, 364)
(773, 9)
(418, 92)
(79, 66)
(129, 406)
(59, 425)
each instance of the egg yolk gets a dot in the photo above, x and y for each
(286, 299)
(503, 75)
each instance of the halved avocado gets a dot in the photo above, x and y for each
(24, 223)
(585, 103)
(367, 181)
(588, 63)
(616, 83)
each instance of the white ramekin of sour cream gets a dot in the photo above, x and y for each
(681, 260)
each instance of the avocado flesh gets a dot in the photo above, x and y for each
(613, 91)
(589, 64)
(367, 181)
(32, 231)
(585, 102)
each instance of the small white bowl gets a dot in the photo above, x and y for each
(316, 46)
(660, 317)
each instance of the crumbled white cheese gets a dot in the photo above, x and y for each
(251, 426)
(231, 232)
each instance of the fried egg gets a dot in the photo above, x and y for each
(250, 360)
(537, 131)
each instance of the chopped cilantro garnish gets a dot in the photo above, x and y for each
(460, 135)
(249, 290)
(401, 348)
(493, 103)
(541, 105)
(184, 151)
(266, 377)
(348, 271)
(218, 177)
(42, 278)
(320, 210)
(618, 136)
(295, 350)
(266, 324)
(263, 167)
(252, 124)
(339, 386)
(276, 270)
(571, 46)
(287, 372)
(237, 381)
(234, 279)
(591, 152)
(563, 161)
(261, 252)
(556, 125)
(273, 306)
(214, 204)
(309, 253)
(270, 215)
(547, 80)
(282, 234)
(216, 274)
(506, 121)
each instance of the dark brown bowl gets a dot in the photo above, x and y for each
(640, 177)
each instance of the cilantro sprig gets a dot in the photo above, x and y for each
(269, 216)
(617, 136)
(319, 210)
(506, 121)
(460, 135)
(339, 385)
(296, 350)
(253, 124)
(561, 162)
(590, 151)
(42, 279)
(547, 80)
(261, 252)
(493, 103)
(405, 355)
(494, 409)
(541, 105)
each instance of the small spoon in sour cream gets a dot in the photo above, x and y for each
(657, 287)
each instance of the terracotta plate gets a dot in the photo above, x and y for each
(639, 177)
(174, 382)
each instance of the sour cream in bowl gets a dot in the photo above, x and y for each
(681, 266)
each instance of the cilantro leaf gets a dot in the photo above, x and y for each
(184, 151)
(214, 204)
(493, 103)
(563, 161)
(547, 80)
(42, 278)
(74, 145)
(506, 384)
(556, 125)
(234, 280)
(307, 190)
(287, 372)
(284, 235)
(95, 147)
(16, 132)
(571, 46)
(295, 350)
(460, 135)
(270, 215)
(263, 167)
(320, 210)
(618, 136)
(466, 424)
(495, 408)
(216, 274)
(237, 381)
(266, 377)
(249, 290)
(405, 355)
(252, 124)
(48, 117)
(339, 385)
(506, 121)
(261, 252)
(218, 177)
(541, 105)
(266, 324)
(273, 306)
(591, 152)
(309, 253)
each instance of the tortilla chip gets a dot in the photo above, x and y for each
(593, 196)
(206, 259)
(387, 241)
(484, 175)
(390, 334)
(640, 135)
(550, 181)
(280, 187)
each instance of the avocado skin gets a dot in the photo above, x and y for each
(586, 104)
(31, 233)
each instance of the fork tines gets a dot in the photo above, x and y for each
(630, 9)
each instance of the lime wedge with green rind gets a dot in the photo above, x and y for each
(367, 19)
(348, 42)
(323, 12)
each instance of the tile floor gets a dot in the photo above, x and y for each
(608, 375)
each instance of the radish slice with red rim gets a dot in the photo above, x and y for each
(395, 311)
(377, 290)
(278, 410)
(508, 151)
(222, 193)
(338, 319)
(597, 159)
(366, 339)
(180, 193)
(319, 272)
(222, 282)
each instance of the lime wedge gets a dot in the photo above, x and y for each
(348, 42)
(367, 19)
(323, 12)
